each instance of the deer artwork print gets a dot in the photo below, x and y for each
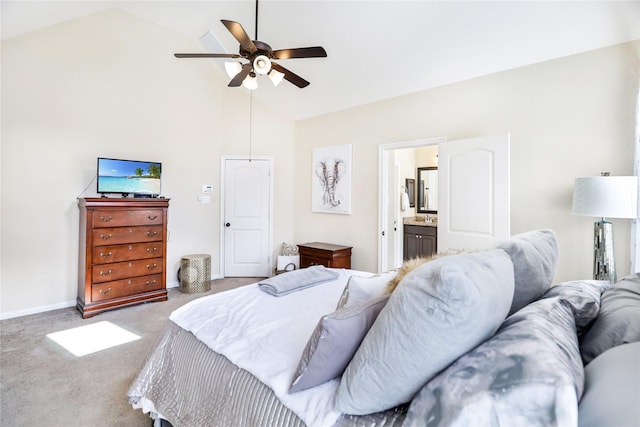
(329, 172)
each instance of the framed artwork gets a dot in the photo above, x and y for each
(331, 180)
(410, 184)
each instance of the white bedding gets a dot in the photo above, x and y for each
(266, 335)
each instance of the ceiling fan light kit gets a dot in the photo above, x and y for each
(260, 58)
(232, 68)
(250, 82)
(261, 65)
(276, 77)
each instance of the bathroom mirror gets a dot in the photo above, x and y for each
(427, 190)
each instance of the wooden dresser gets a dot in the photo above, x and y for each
(123, 246)
(318, 253)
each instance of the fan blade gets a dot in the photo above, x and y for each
(292, 77)
(207, 55)
(301, 52)
(240, 34)
(239, 78)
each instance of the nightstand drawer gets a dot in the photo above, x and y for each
(327, 254)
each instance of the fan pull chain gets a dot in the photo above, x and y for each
(250, 121)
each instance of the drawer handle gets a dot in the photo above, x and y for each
(103, 292)
(151, 266)
(151, 233)
(151, 283)
(107, 255)
(103, 219)
(152, 217)
(106, 236)
(154, 250)
(105, 273)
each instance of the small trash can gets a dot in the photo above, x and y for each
(195, 273)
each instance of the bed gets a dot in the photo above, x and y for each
(279, 356)
(191, 383)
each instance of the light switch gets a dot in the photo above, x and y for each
(204, 199)
(207, 188)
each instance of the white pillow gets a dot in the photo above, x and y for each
(361, 288)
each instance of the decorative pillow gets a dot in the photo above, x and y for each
(612, 389)
(584, 295)
(333, 343)
(618, 321)
(528, 374)
(440, 311)
(361, 288)
(535, 257)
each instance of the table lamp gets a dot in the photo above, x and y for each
(605, 196)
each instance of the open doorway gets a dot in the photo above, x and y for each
(397, 162)
(473, 206)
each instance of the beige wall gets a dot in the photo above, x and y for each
(567, 118)
(108, 85)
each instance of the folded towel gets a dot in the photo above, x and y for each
(405, 201)
(296, 280)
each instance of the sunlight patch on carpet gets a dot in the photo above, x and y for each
(91, 338)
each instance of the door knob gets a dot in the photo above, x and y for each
(227, 225)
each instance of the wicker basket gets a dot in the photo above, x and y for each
(195, 273)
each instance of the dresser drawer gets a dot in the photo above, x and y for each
(126, 287)
(117, 218)
(117, 253)
(121, 270)
(112, 236)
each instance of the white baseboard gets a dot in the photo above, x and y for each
(36, 310)
(42, 309)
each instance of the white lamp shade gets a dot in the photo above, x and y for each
(250, 82)
(606, 196)
(261, 64)
(276, 77)
(232, 68)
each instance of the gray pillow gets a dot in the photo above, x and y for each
(530, 373)
(612, 389)
(333, 343)
(618, 321)
(361, 288)
(438, 312)
(535, 258)
(584, 295)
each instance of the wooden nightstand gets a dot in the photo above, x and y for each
(318, 253)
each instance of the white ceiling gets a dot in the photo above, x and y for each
(376, 49)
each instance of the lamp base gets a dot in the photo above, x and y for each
(604, 266)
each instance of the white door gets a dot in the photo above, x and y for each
(247, 219)
(474, 190)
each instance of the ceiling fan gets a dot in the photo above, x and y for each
(260, 57)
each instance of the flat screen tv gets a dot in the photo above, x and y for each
(117, 176)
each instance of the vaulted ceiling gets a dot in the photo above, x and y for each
(376, 49)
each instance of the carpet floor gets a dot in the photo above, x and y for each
(41, 383)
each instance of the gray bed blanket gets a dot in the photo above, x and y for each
(296, 280)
